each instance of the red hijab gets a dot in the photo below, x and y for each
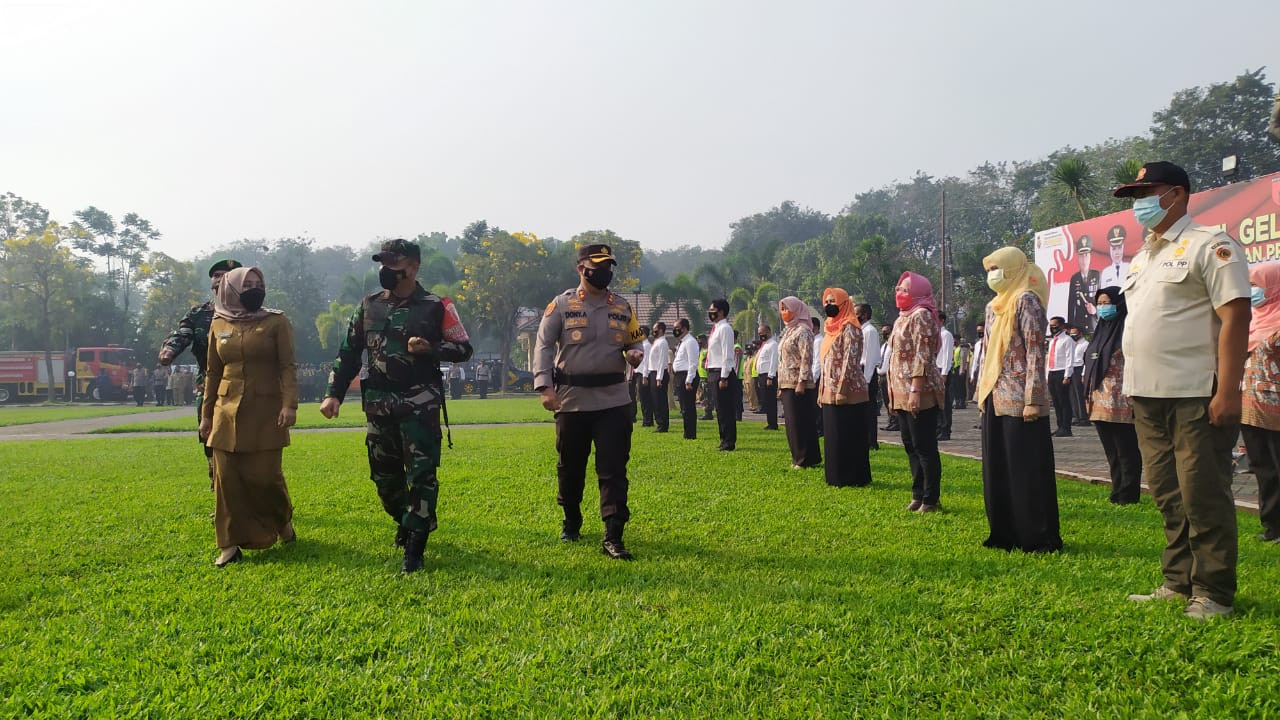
(1266, 317)
(920, 291)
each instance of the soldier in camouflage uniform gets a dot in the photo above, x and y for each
(407, 331)
(587, 338)
(193, 332)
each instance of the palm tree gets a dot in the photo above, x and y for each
(356, 287)
(753, 308)
(1076, 177)
(686, 295)
(1127, 171)
(331, 323)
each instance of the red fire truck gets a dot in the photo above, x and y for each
(23, 375)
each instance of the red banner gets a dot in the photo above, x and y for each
(1080, 258)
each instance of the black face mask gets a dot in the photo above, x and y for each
(389, 278)
(831, 310)
(1055, 330)
(252, 299)
(712, 315)
(764, 338)
(598, 278)
(677, 332)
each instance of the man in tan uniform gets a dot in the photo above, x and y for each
(587, 337)
(1184, 346)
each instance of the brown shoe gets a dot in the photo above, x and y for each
(914, 505)
(927, 508)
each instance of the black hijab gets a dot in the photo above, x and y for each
(1106, 339)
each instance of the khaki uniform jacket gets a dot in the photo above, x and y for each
(250, 376)
(580, 334)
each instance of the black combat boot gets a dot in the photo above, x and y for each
(612, 545)
(571, 529)
(414, 543)
(402, 534)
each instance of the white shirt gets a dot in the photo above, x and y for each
(817, 356)
(883, 367)
(643, 367)
(946, 352)
(1082, 346)
(661, 354)
(720, 354)
(976, 365)
(1113, 275)
(767, 358)
(1062, 352)
(686, 356)
(870, 350)
(1173, 289)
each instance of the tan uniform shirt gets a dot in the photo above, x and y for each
(1173, 287)
(582, 335)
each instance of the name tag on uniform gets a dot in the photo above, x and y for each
(225, 335)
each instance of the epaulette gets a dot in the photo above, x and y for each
(273, 311)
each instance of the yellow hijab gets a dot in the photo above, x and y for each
(1020, 276)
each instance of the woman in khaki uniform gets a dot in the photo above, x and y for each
(250, 401)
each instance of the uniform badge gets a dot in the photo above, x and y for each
(617, 338)
(1178, 253)
(1223, 253)
(551, 307)
(576, 335)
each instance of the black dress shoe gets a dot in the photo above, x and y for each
(237, 556)
(615, 549)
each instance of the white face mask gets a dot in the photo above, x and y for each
(995, 279)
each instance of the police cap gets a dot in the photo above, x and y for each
(597, 254)
(1155, 173)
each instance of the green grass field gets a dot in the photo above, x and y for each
(525, 409)
(757, 592)
(25, 415)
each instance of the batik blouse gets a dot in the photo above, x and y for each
(1261, 404)
(843, 382)
(1110, 404)
(795, 357)
(1022, 380)
(913, 352)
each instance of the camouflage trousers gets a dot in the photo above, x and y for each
(403, 456)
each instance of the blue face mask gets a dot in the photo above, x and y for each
(1107, 312)
(1257, 296)
(1147, 210)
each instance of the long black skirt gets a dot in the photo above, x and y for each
(845, 438)
(802, 427)
(1018, 483)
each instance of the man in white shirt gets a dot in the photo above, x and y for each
(1185, 343)
(946, 353)
(883, 372)
(656, 362)
(817, 368)
(870, 361)
(975, 366)
(1077, 377)
(766, 378)
(1114, 274)
(1061, 366)
(722, 373)
(685, 369)
(644, 393)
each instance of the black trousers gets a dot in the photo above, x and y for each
(944, 417)
(661, 407)
(873, 415)
(1061, 396)
(688, 399)
(802, 427)
(959, 383)
(1120, 443)
(158, 391)
(1264, 459)
(610, 431)
(483, 387)
(767, 395)
(920, 441)
(644, 394)
(845, 439)
(139, 394)
(726, 404)
(1018, 483)
(1077, 395)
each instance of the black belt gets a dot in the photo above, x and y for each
(588, 379)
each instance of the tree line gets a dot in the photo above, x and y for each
(95, 279)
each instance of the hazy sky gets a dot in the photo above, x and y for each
(664, 121)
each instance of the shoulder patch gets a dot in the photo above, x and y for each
(1223, 253)
(551, 307)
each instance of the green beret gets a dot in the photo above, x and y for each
(224, 265)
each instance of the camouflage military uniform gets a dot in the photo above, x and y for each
(402, 394)
(193, 332)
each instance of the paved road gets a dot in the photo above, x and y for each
(1079, 457)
